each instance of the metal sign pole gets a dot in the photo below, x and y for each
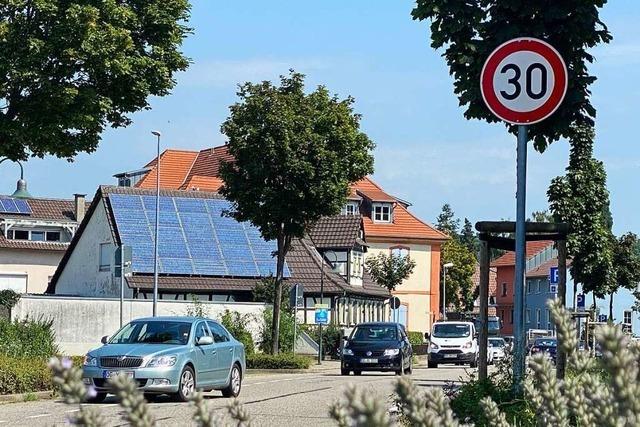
(518, 282)
(121, 285)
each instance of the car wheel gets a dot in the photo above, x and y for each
(235, 383)
(344, 371)
(98, 398)
(401, 370)
(357, 372)
(187, 384)
(409, 370)
(432, 365)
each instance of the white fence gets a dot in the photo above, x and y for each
(80, 322)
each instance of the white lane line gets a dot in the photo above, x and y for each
(72, 411)
(39, 416)
(3, 421)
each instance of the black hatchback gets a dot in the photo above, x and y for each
(382, 347)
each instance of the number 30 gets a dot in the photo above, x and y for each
(515, 81)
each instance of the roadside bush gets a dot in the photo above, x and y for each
(22, 375)
(236, 324)
(278, 361)
(27, 338)
(331, 338)
(416, 338)
(286, 331)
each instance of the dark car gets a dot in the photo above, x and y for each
(548, 346)
(380, 347)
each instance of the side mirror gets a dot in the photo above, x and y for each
(204, 341)
(427, 336)
(104, 339)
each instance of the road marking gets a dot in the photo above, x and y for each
(72, 411)
(39, 416)
(282, 380)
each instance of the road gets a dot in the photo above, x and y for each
(272, 399)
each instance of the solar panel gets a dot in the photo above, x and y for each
(194, 237)
(14, 206)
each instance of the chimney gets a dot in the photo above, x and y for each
(80, 206)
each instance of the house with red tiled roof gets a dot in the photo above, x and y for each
(34, 234)
(388, 225)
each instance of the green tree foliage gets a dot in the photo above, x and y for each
(469, 238)
(469, 30)
(295, 156)
(388, 271)
(265, 291)
(626, 261)
(541, 216)
(581, 199)
(460, 286)
(69, 69)
(447, 222)
(236, 323)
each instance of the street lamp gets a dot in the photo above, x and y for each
(444, 290)
(155, 246)
(21, 186)
(335, 257)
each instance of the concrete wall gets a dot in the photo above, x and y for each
(79, 323)
(82, 275)
(414, 292)
(37, 265)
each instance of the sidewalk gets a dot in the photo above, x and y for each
(327, 366)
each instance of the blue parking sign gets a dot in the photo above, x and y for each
(322, 314)
(553, 275)
(580, 302)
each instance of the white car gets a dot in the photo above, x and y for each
(453, 342)
(496, 349)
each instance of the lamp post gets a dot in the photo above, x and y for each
(21, 186)
(155, 246)
(335, 257)
(444, 290)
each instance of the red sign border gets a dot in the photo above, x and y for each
(557, 95)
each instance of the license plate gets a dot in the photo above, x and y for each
(109, 374)
(368, 360)
(450, 356)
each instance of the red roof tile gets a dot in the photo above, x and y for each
(533, 248)
(202, 183)
(174, 167)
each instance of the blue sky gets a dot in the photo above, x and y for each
(426, 151)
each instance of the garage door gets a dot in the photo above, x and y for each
(15, 282)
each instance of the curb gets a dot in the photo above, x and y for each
(288, 371)
(20, 397)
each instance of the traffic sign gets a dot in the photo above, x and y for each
(394, 302)
(602, 318)
(322, 314)
(524, 81)
(553, 275)
(580, 302)
(296, 296)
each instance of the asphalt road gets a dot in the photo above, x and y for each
(272, 399)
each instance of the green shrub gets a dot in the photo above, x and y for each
(236, 324)
(277, 361)
(22, 375)
(286, 331)
(416, 338)
(331, 338)
(27, 338)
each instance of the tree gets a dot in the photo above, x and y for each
(580, 198)
(469, 238)
(469, 30)
(626, 260)
(459, 283)
(69, 69)
(447, 222)
(295, 155)
(541, 216)
(388, 271)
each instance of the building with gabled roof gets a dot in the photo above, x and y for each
(387, 223)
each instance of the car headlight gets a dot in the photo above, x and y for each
(434, 346)
(392, 352)
(161, 361)
(347, 352)
(90, 361)
(468, 345)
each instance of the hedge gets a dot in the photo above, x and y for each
(277, 361)
(416, 338)
(22, 375)
(27, 338)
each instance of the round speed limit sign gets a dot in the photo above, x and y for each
(524, 81)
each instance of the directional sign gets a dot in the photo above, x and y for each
(524, 81)
(322, 314)
(580, 302)
(553, 275)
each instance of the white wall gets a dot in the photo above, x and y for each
(37, 265)
(81, 275)
(79, 323)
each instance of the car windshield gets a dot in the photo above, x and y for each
(374, 333)
(545, 343)
(153, 332)
(497, 343)
(451, 330)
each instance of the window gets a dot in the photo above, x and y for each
(37, 236)
(219, 334)
(538, 318)
(105, 257)
(338, 260)
(511, 317)
(34, 235)
(202, 331)
(528, 317)
(528, 286)
(357, 266)
(53, 236)
(400, 251)
(382, 212)
(124, 182)
(538, 283)
(351, 208)
(504, 289)
(18, 234)
(626, 317)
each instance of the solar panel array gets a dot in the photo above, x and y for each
(194, 237)
(14, 206)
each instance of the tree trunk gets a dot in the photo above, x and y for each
(284, 242)
(611, 307)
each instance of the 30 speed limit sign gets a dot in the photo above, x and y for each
(524, 81)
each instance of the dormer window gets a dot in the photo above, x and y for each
(351, 208)
(381, 212)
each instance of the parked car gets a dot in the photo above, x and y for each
(548, 346)
(453, 342)
(497, 349)
(381, 346)
(169, 355)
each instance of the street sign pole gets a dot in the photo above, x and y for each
(121, 286)
(518, 306)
